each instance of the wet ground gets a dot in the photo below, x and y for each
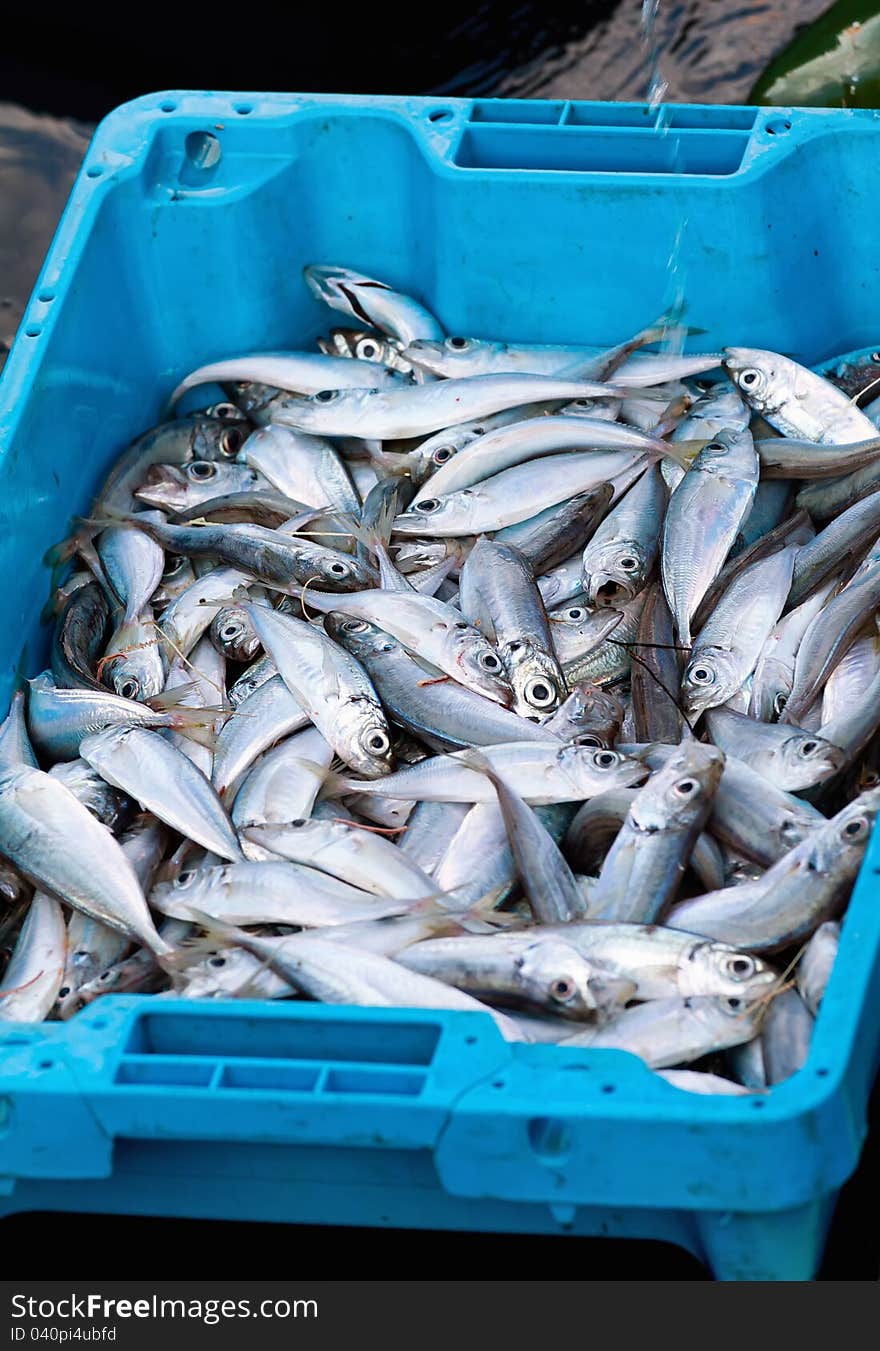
(707, 51)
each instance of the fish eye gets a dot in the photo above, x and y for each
(442, 454)
(685, 787)
(231, 441)
(355, 626)
(377, 742)
(809, 747)
(186, 878)
(563, 989)
(606, 759)
(129, 688)
(702, 675)
(338, 569)
(201, 471)
(489, 662)
(325, 395)
(458, 344)
(779, 702)
(629, 564)
(427, 505)
(230, 632)
(577, 613)
(740, 967)
(65, 990)
(540, 692)
(715, 446)
(367, 349)
(587, 739)
(217, 961)
(855, 828)
(749, 378)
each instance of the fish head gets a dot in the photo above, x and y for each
(733, 1018)
(805, 759)
(709, 680)
(454, 356)
(232, 634)
(757, 374)
(175, 487)
(682, 791)
(137, 672)
(321, 412)
(591, 715)
(222, 436)
(593, 770)
(368, 738)
(614, 572)
(719, 969)
(436, 515)
(337, 571)
(535, 678)
(554, 975)
(438, 450)
(478, 661)
(358, 636)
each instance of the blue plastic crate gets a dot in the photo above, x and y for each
(547, 221)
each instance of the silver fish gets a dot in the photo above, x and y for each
(58, 719)
(359, 857)
(619, 558)
(372, 302)
(302, 372)
(270, 711)
(668, 1032)
(795, 400)
(171, 487)
(419, 410)
(330, 686)
(447, 712)
(498, 595)
(815, 967)
(56, 842)
(515, 494)
(789, 757)
(649, 856)
(268, 893)
(702, 521)
(795, 895)
(540, 774)
(504, 447)
(36, 968)
(165, 782)
(546, 973)
(732, 639)
(304, 468)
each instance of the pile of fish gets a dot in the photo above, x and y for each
(440, 672)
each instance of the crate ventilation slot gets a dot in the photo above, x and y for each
(604, 138)
(241, 1054)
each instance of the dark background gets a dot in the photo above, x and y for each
(60, 73)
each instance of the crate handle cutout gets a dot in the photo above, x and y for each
(608, 149)
(203, 1034)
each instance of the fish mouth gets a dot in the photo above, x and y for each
(606, 591)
